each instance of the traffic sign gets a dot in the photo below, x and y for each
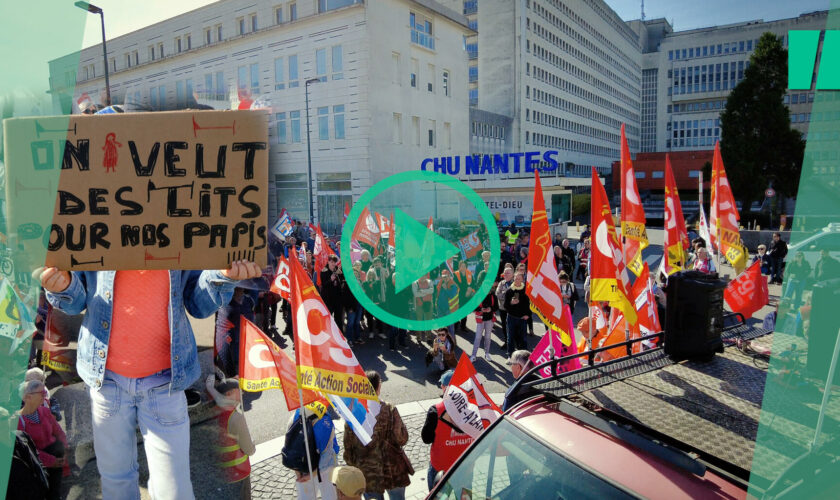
(769, 192)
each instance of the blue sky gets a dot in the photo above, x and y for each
(122, 16)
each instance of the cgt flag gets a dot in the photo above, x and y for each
(466, 401)
(724, 216)
(321, 252)
(608, 275)
(648, 315)
(259, 372)
(633, 230)
(543, 287)
(346, 212)
(747, 293)
(367, 230)
(281, 284)
(676, 236)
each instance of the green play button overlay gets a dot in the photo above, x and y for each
(411, 286)
(419, 250)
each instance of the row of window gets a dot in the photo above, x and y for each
(691, 107)
(567, 86)
(421, 31)
(586, 112)
(553, 121)
(487, 130)
(690, 142)
(418, 132)
(603, 41)
(552, 141)
(800, 117)
(557, 41)
(713, 50)
(414, 75)
(707, 77)
(801, 98)
(287, 125)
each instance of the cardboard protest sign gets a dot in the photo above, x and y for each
(170, 190)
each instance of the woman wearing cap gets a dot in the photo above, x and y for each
(383, 461)
(36, 420)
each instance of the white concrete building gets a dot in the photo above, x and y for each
(687, 76)
(391, 89)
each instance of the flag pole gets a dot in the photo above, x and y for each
(589, 317)
(306, 438)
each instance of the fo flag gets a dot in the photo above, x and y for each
(632, 212)
(263, 366)
(542, 352)
(747, 293)
(367, 230)
(281, 284)
(466, 401)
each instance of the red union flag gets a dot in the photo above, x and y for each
(466, 401)
(542, 287)
(608, 275)
(384, 225)
(747, 293)
(392, 238)
(281, 284)
(724, 216)
(674, 247)
(645, 304)
(367, 230)
(346, 212)
(325, 362)
(265, 366)
(469, 245)
(542, 352)
(632, 212)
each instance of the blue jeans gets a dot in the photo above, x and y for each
(430, 477)
(516, 330)
(354, 324)
(395, 494)
(794, 289)
(117, 409)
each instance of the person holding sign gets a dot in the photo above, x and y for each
(137, 353)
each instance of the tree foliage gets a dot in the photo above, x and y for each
(757, 144)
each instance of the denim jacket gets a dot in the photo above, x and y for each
(200, 292)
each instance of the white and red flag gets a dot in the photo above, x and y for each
(321, 252)
(648, 317)
(367, 230)
(392, 238)
(747, 293)
(466, 401)
(633, 229)
(384, 225)
(281, 284)
(543, 287)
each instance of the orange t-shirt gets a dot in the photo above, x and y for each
(140, 343)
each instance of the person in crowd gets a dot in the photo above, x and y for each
(558, 258)
(352, 307)
(512, 234)
(501, 289)
(522, 256)
(442, 353)
(372, 289)
(568, 257)
(692, 255)
(484, 321)
(797, 271)
(827, 267)
(324, 430)
(383, 461)
(466, 288)
(398, 301)
(505, 257)
(228, 322)
(447, 297)
(520, 364)
(778, 251)
(137, 353)
(379, 288)
(440, 431)
(50, 402)
(349, 482)
(518, 307)
(522, 267)
(585, 234)
(485, 258)
(703, 262)
(423, 291)
(234, 444)
(36, 420)
(583, 260)
(567, 290)
(366, 260)
(331, 287)
(309, 265)
(558, 240)
(764, 259)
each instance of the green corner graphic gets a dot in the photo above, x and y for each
(419, 250)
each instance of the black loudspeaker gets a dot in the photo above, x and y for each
(694, 315)
(823, 328)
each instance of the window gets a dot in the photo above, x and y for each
(432, 133)
(253, 22)
(179, 93)
(749, 44)
(280, 128)
(242, 77)
(795, 99)
(324, 123)
(657, 174)
(255, 79)
(114, 64)
(160, 50)
(641, 175)
(293, 11)
(136, 58)
(128, 60)
(208, 36)
(446, 82)
(220, 86)
(293, 71)
(430, 86)
(279, 80)
(415, 128)
(153, 98)
(321, 64)
(218, 32)
(337, 63)
(395, 68)
(421, 31)
(278, 15)
(328, 5)
(162, 97)
(208, 85)
(188, 41)
(152, 55)
(396, 128)
(338, 121)
(240, 23)
(694, 173)
(670, 55)
(415, 69)
(178, 45)
(447, 136)
(294, 117)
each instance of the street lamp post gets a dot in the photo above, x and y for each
(93, 9)
(309, 149)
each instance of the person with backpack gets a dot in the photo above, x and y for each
(39, 423)
(323, 451)
(383, 462)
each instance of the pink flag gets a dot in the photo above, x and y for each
(542, 352)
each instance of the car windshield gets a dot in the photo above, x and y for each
(510, 464)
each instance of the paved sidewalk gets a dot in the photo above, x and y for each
(270, 480)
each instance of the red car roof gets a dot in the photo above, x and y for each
(622, 463)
